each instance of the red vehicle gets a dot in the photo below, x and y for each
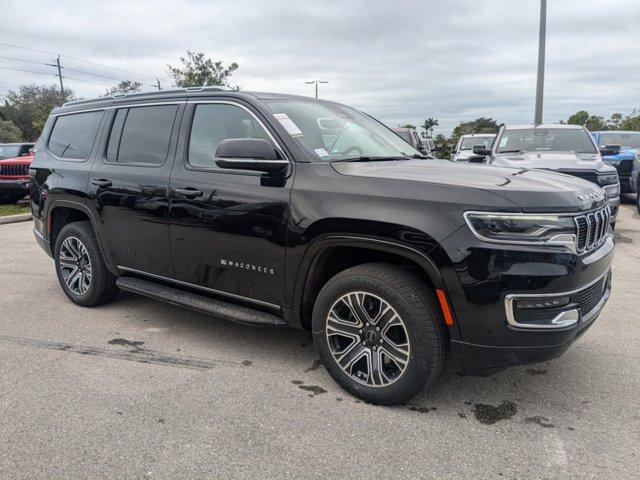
(14, 177)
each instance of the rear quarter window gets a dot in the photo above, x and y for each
(73, 135)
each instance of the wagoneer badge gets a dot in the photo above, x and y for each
(591, 196)
(247, 266)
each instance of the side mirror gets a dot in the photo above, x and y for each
(437, 148)
(608, 150)
(480, 150)
(477, 159)
(249, 154)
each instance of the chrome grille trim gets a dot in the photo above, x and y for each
(591, 229)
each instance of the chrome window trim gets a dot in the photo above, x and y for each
(509, 301)
(206, 289)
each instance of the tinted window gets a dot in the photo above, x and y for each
(145, 135)
(213, 123)
(546, 139)
(73, 135)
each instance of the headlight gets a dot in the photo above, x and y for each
(522, 228)
(607, 179)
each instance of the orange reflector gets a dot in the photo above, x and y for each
(444, 305)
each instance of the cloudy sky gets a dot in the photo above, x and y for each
(401, 61)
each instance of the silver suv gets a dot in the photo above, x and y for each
(568, 149)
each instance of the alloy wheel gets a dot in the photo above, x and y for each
(368, 339)
(75, 265)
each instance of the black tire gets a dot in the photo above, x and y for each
(638, 197)
(414, 303)
(102, 286)
(10, 197)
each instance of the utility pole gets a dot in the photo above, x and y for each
(159, 87)
(60, 75)
(316, 82)
(541, 51)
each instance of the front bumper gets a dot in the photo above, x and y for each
(21, 185)
(486, 282)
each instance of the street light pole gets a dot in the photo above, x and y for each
(316, 82)
(541, 51)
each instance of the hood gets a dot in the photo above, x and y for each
(463, 155)
(531, 190)
(553, 161)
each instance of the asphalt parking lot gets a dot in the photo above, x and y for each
(141, 389)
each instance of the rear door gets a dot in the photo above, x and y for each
(228, 227)
(129, 183)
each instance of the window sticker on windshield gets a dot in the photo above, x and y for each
(503, 141)
(321, 152)
(291, 128)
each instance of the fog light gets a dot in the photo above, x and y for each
(541, 302)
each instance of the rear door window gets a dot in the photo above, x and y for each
(73, 135)
(141, 135)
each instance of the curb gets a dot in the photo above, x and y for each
(23, 217)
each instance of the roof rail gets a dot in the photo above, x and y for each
(160, 92)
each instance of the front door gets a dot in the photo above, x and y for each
(228, 227)
(130, 184)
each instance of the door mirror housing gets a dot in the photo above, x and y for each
(609, 150)
(480, 150)
(249, 154)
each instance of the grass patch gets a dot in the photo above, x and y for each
(14, 209)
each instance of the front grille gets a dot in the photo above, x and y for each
(592, 228)
(589, 298)
(589, 176)
(14, 170)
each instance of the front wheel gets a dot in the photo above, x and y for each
(638, 197)
(379, 333)
(10, 197)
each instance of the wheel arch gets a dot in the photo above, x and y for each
(61, 212)
(326, 257)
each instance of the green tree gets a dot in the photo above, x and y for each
(592, 122)
(9, 133)
(615, 121)
(631, 122)
(428, 125)
(199, 71)
(445, 145)
(29, 107)
(479, 125)
(407, 125)
(124, 87)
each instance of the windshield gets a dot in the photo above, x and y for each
(9, 151)
(335, 132)
(546, 139)
(625, 140)
(406, 135)
(469, 142)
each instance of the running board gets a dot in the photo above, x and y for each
(218, 308)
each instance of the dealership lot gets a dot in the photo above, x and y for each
(141, 389)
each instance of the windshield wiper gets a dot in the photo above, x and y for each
(371, 159)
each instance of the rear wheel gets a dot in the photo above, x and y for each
(638, 196)
(379, 333)
(81, 270)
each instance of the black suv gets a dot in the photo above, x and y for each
(272, 209)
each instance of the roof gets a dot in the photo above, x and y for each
(179, 93)
(18, 143)
(479, 135)
(618, 132)
(544, 125)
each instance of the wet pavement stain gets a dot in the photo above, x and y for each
(338, 399)
(537, 371)
(421, 409)
(488, 414)
(462, 415)
(314, 389)
(125, 343)
(297, 382)
(538, 420)
(619, 238)
(247, 363)
(315, 365)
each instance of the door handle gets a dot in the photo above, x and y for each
(188, 192)
(101, 182)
